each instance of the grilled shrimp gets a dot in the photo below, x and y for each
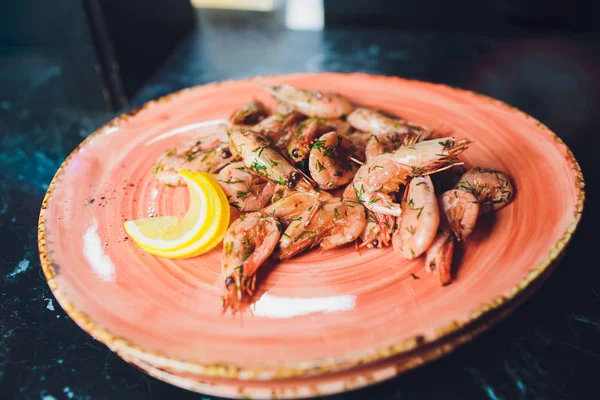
(248, 243)
(261, 159)
(249, 114)
(375, 122)
(382, 175)
(308, 131)
(420, 219)
(329, 162)
(291, 205)
(389, 142)
(276, 122)
(328, 224)
(279, 128)
(379, 228)
(360, 140)
(349, 226)
(439, 256)
(460, 210)
(308, 230)
(492, 188)
(244, 190)
(206, 154)
(311, 103)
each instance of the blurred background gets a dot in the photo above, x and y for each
(98, 54)
(99, 57)
(104, 56)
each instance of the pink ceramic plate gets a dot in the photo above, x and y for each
(318, 313)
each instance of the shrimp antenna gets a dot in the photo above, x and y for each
(356, 160)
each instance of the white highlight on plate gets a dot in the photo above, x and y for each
(271, 306)
(93, 252)
(187, 128)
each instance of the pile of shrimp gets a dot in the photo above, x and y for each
(321, 171)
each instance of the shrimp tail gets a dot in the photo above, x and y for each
(303, 244)
(449, 160)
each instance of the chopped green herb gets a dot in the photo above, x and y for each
(231, 181)
(259, 150)
(247, 253)
(420, 211)
(415, 277)
(305, 234)
(329, 151)
(258, 167)
(211, 151)
(320, 166)
(241, 195)
(319, 145)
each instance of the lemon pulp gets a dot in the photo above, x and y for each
(200, 230)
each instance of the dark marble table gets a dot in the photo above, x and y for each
(548, 349)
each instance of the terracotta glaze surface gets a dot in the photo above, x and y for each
(319, 312)
(314, 385)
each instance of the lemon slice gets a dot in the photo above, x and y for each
(200, 230)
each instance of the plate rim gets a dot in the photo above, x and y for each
(319, 366)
